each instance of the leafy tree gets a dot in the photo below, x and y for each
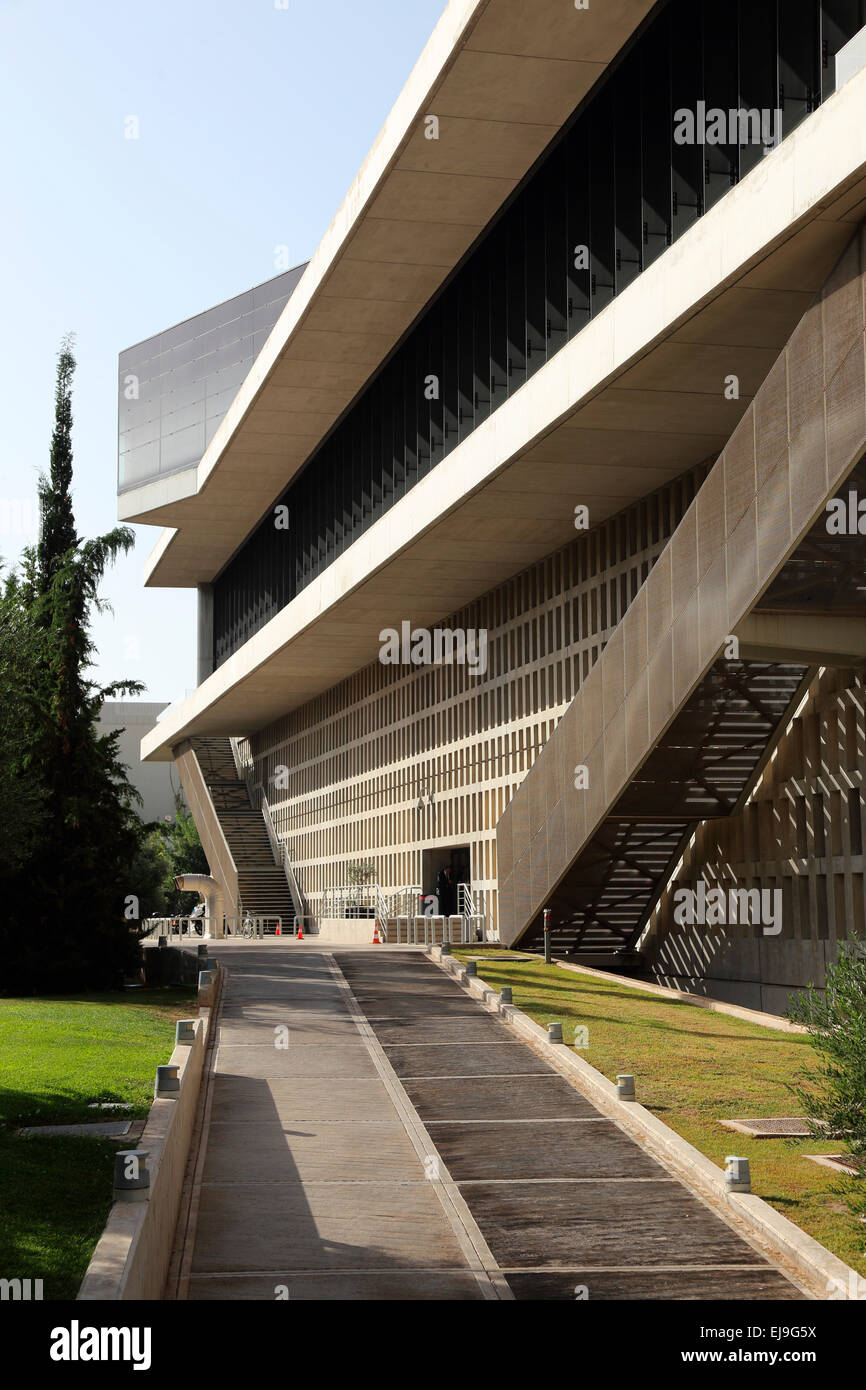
(834, 1097)
(149, 875)
(185, 855)
(62, 923)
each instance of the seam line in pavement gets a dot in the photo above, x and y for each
(332, 1273)
(636, 1269)
(495, 1043)
(475, 1248)
(414, 1182)
(309, 1119)
(477, 1076)
(545, 1120)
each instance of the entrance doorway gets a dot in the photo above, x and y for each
(434, 862)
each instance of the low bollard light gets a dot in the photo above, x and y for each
(505, 996)
(554, 1032)
(131, 1175)
(167, 1085)
(205, 982)
(184, 1030)
(471, 968)
(162, 941)
(625, 1087)
(202, 951)
(445, 948)
(738, 1178)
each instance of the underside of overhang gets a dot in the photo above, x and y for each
(502, 77)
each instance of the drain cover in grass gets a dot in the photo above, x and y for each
(781, 1127)
(840, 1163)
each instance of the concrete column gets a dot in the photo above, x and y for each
(205, 632)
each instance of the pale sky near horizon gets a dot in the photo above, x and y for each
(253, 121)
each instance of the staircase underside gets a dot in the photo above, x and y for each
(698, 771)
(704, 764)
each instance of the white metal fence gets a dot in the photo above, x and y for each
(175, 926)
(247, 926)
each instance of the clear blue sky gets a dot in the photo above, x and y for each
(253, 121)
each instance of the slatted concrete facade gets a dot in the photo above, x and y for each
(358, 759)
(802, 833)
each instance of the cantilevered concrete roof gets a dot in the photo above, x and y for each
(633, 400)
(502, 76)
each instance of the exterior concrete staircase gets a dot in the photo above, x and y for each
(670, 728)
(262, 885)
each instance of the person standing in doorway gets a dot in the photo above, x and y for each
(445, 891)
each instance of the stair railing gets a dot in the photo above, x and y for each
(245, 768)
(281, 857)
(403, 902)
(472, 918)
(382, 913)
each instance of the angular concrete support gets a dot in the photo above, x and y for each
(219, 856)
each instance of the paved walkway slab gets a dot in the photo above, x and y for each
(312, 1177)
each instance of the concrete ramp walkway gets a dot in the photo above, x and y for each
(313, 1178)
(370, 1132)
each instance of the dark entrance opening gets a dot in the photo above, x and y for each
(434, 862)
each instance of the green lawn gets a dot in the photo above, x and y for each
(694, 1068)
(58, 1055)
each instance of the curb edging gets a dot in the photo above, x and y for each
(132, 1256)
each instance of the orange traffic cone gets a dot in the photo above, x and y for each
(300, 935)
(377, 936)
(279, 931)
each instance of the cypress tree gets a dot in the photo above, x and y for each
(68, 920)
(57, 533)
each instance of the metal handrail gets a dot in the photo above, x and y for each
(403, 902)
(281, 854)
(386, 904)
(336, 899)
(381, 907)
(258, 800)
(468, 910)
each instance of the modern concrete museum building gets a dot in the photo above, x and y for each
(572, 381)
